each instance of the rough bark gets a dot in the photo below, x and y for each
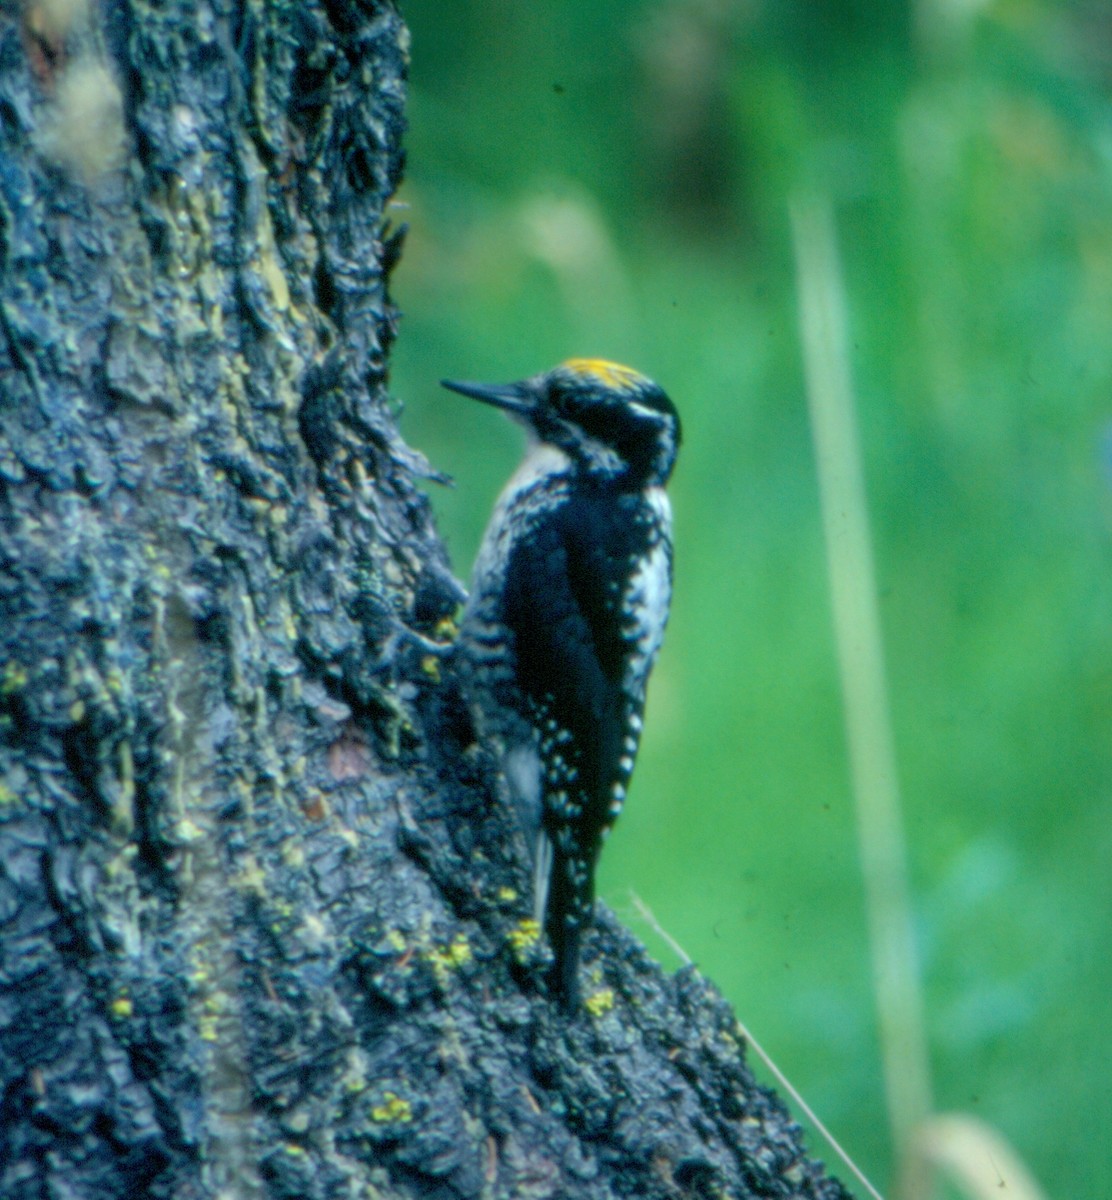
(262, 915)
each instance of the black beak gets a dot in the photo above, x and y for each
(515, 398)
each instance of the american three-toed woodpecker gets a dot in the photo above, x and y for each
(566, 615)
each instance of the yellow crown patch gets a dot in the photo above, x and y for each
(609, 373)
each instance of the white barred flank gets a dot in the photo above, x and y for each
(647, 598)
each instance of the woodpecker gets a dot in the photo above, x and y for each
(566, 614)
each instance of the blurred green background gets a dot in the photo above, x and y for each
(611, 178)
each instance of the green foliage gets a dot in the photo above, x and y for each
(611, 179)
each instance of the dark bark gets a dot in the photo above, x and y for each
(262, 916)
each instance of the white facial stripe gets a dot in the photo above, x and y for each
(644, 410)
(602, 456)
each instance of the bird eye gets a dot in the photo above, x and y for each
(566, 402)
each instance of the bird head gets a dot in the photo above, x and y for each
(610, 420)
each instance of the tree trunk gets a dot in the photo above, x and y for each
(262, 914)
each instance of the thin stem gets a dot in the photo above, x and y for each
(853, 594)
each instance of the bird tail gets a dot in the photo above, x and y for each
(564, 908)
(564, 977)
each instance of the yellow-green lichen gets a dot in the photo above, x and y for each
(523, 937)
(121, 1007)
(450, 957)
(14, 678)
(446, 630)
(599, 1002)
(394, 1109)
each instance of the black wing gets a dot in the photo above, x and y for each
(563, 599)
